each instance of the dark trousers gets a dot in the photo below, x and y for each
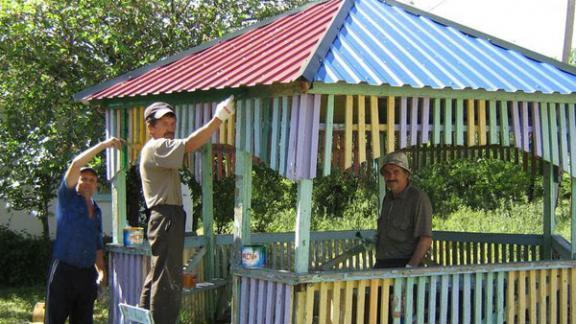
(390, 263)
(162, 289)
(71, 292)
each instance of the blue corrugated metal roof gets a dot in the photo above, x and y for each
(385, 44)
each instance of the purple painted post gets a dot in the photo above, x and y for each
(279, 305)
(536, 130)
(426, 120)
(403, 121)
(414, 122)
(303, 142)
(525, 127)
(516, 125)
(291, 162)
(216, 135)
(315, 134)
(244, 302)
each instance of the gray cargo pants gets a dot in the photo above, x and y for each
(162, 289)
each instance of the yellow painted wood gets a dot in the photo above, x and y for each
(572, 294)
(390, 123)
(222, 130)
(510, 297)
(471, 123)
(300, 306)
(323, 307)
(542, 296)
(374, 285)
(348, 132)
(361, 299)
(521, 297)
(374, 119)
(563, 296)
(552, 295)
(361, 129)
(231, 131)
(336, 300)
(348, 294)
(309, 312)
(482, 121)
(385, 300)
(532, 296)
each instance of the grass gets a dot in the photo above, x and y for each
(17, 304)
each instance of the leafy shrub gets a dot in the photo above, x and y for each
(25, 259)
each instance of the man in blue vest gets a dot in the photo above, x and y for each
(73, 280)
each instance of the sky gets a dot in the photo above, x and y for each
(537, 25)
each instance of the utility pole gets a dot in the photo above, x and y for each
(569, 31)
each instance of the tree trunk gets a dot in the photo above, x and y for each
(44, 219)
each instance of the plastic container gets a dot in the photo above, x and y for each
(189, 280)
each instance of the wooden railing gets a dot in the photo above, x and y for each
(540, 292)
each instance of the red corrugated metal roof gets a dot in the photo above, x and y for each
(273, 53)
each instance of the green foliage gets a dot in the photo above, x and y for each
(481, 185)
(25, 259)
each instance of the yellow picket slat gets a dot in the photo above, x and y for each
(374, 119)
(373, 315)
(471, 123)
(572, 294)
(361, 301)
(144, 129)
(309, 314)
(300, 306)
(564, 296)
(348, 132)
(336, 302)
(542, 296)
(482, 121)
(222, 130)
(348, 302)
(521, 297)
(552, 295)
(533, 296)
(390, 123)
(361, 129)
(385, 300)
(510, 297)
(230, 133)
(323, 307)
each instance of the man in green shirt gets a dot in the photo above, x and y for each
(405, 224)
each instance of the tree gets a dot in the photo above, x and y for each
(50, 50)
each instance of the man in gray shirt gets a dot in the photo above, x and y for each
(405, 224)
(161, 158)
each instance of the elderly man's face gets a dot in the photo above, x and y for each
(396, 178)
(165, 127)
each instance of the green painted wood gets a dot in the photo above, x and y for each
(383, 91)
(573, 217)
(242, 202)
(455, 299)
(328, 136)
(459, 121)
(284, 134)
(274, 142)
(249, 126)
(492, 121)
(489, 300)
(444, 299)
(266, 126)
(466, 298)
(420, 306)
(448, 121)
(302, 235)
(119, 186)
(409, 300)
(257, 127)
(436, 121)
(572, 140)
(397, 301)
(504, 124)
(563, 132)
(500, 307)
(432, 300)
(553, 120)
(208, 221)
(548, 213)
(478, 298)
(545, 125)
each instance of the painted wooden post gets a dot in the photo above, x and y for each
(119, 187)
(328, 135)
(548, 214)
(374, 119)
(390, 122)
(208, 219)
(573, 217)
(302, 235)
(348, 122)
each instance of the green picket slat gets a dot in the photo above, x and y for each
(448, 122)
(493, 125)
(504, 125)
(459, 121)
(437, 122)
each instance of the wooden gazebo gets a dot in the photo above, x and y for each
(337, 84)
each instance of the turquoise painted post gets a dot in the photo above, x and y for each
(302, 235)
(119, 188)
(328, 136)
(448, 122)
(459, 121)
(492, 116)
(409, 300)
(208, 219)
(504, 125)
(436, 122)
(397, 301)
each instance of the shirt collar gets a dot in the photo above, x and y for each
(403, 194)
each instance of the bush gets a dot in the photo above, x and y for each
(25, 259)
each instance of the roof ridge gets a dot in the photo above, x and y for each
(81, 95)
(478, 34)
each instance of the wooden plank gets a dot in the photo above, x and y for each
(361, 129)
(533, 297)
(553, 300)
(323, 304)
(563, 133)
(261, 302)
(459, 122)
(270, 303)
(510, 298)
(336, 302)
(314, 137)
(397, 301)
(572, 294)
(471, 121)
(542, 294)
(482, 122)
(521, 296)
(420, 304)
(444, 299)
(384, 301)
(552, 119)
(252, 301)
(437, 122)
(375, 130)
(432, 300)
(348, 122)
(361, 300)
(525, 127)
(403, 122)
(244, 302)
(309, 312)
(274, 141)
(448, 121)
(302, 158)
(257, 127)
(408, 300)
(572, 145)
(563, 307)
(536, 128)
(293, 138)
(493, 129)
(300, 306)
(425, 135)
(455, 299)
(302, 235)
(504, 124)
(349, 292)
(466, 298)
(390, 125)
(500, 306)
(414, 122)
(546, 145)
(249, 126)
(284, 128)
(328, 133)
(516, 125)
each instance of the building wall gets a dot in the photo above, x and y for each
(21, 221)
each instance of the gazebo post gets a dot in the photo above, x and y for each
(208, 218)
(302, 233)
(119, 186)
(573, 218)
(549, 207)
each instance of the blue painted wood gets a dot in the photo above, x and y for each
(492, 121)
(563, 133)
(455, 314)
(178, 112)
(444, 299)
(544, 115)
(409, 300)
(270, 293)
(302, 233)
(432, 300)
(314, 137)
(489, 300)
(478, 298)
(403, 122)
(266, 124)
(244, 302)
(437, 122)
(108, 130)
(414, 122)
(212, 107)
(328, 135)
(240, 128)
(420, 306)
(257, 127)
(275, 140)
(466, 304)
(288, 304)
(425, 120)
(261, 302)
(500, 306)
(536, 128)
(284, 128)
(293, 139)
(516, 125)
(397, 301)
(253, 303)
(525, 127)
